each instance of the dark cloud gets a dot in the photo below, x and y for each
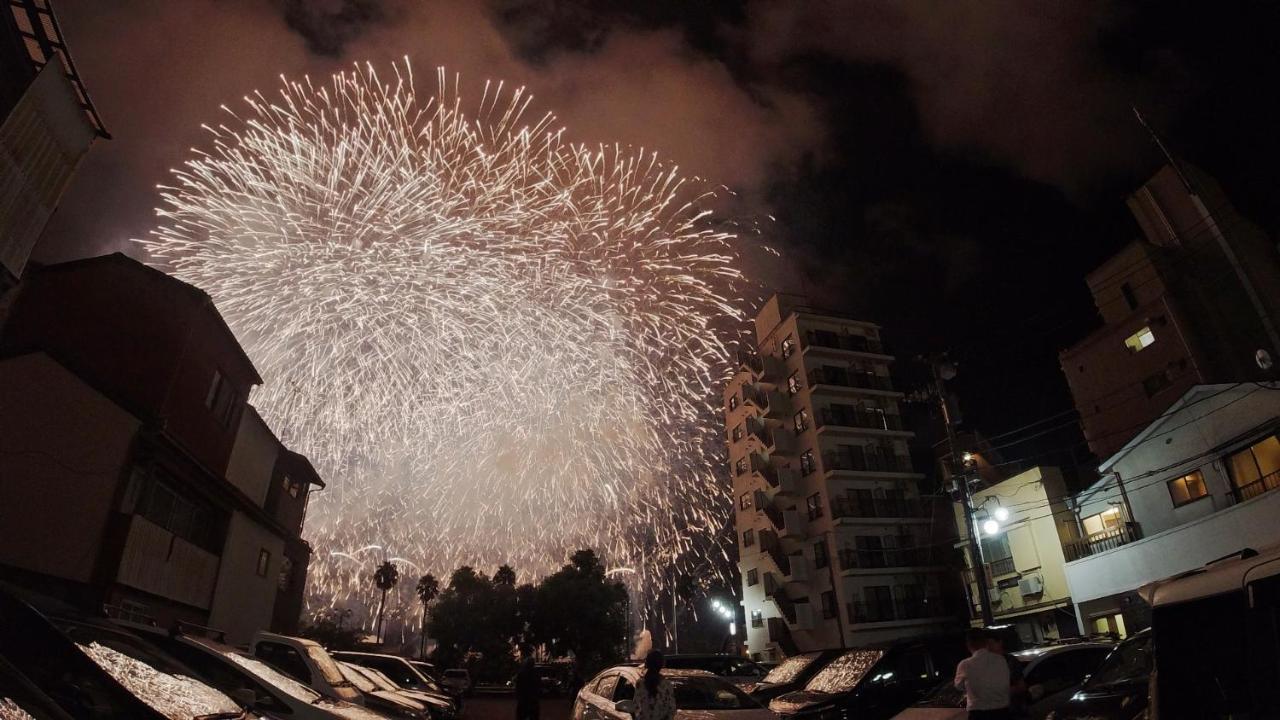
(328, 26)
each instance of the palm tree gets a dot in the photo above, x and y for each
(385, 577)
(428, 588)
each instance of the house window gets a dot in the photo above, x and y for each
(748, 538)
(793, 383)
(1129, 298)
(733, 401)
(744, 502)
(828, 604)
(738, 432)
(807, 463)
(1108, 519)
(996, 548)
(1140, 340)
(264, 561)
(820, 557)
(740, 467)
(1256, 469)
(221, 399)
(293, 488)
(1153, 384)
(788, 346)
(814, 506)
(757, 619)
(802, 420)
(753, 577)
(285, 579)
(1187, 488)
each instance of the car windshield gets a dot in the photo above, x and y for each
(377, 678)
(353, 675)
(845, 672)
(9, 710)
(790, 669)
(273, 677)
(326, 664)
(1129, 662)
(174, 695)
(694, 692)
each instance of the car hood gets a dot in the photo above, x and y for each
(393, 698)
(427, 698)
(799, 701)
(931, 713)
(347, 710)
(1119, 701)
(752, 714)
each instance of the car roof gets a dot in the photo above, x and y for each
(634, 670)
(273, 637)
(357, 653)
(1044, 651)
(1226, 575)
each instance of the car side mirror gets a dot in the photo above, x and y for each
(244, 696)
(1036, 692)
(626, 707)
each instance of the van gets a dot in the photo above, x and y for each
(307, 662)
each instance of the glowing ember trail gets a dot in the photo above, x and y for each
(497, 346)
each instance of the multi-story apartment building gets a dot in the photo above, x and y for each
(133, 473)
(1197, 485)
(46, 127)
(1175, 307)
(833, 536)
(1024, 561)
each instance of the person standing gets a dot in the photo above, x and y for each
(528, 686)
(1019, 698)
(654, 698)
(984, 678)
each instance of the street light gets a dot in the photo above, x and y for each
(991, 527)
(1002, 514)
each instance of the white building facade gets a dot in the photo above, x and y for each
(1195, 486)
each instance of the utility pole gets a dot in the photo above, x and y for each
(943, 371)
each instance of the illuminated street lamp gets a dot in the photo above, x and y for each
(1002, 514)
(991, 527)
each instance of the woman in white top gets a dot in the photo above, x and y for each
(654, 699)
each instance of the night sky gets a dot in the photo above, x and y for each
(950, 170)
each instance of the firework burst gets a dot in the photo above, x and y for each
(496, 345)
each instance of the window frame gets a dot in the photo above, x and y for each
(829, 610)
(1188, 499)
(808, 463)
(813, 506)
(793, 384)
(740, 467)
(757, 618)
(263, 568)
(753, 577)
(821, 555)
(788, 347)
(748, 537)
(1134, 343)
(800, 421)
(745, 501)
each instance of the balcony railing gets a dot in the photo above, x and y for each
(843, 378)
(1252, 490)
(773, 547)
(864, 559)
(836, 341)
(852, 507)
(1003, 566)
(859, 418)
(865, 462)
(760, 465)
(901, 609)
(781, 634)
(1101, 542)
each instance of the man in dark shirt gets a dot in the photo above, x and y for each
(528, 685)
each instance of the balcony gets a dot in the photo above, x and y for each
(870, 559)
(901, 609)
(1252, 490)
(776, 592)
(770, 403)
(780, 634)
(788, 523)
(849, 417)
(841, 378)
(787, 484)
(853, 507)
(856, 459)
(799, 569)
(762, 467)
(751, 362)
(775, 440)
(1101, 542)
(770, 544)
(835, 341)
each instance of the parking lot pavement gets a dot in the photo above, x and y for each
(503, 707)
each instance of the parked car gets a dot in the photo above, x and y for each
(1052, 674)
(458, 680)
(698, 694)
(792, 674)
(386, 702)
(260, 686)
(876, 682)
(21, 699)
(307, 662)
(738, 670)
(401, 672)
(439, 708)
(85, 668)
(1117, 689)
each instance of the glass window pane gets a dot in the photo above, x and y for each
(1244, 469)
(1267, 453)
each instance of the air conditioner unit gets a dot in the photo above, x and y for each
(1031, 585)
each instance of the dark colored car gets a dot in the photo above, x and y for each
(738, 670)
(1117, 690)
(874, 682)
(792, 674)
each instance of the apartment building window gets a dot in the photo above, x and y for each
(1108, 519)
(802, 420)
(879, 600)
(198, 524)
(1188, 488)
(753, 577)
(738, 432)
(1153, 384)
(740, 467)
(814, 506)
(870, 551)
(744, 502)
(757, 619)
(748, 538)
(264, 562)
(1129, 298)
(1140, 340)
(996, 549)
(807, 463)
(733, 401)
(820, 557)
(793, 383)
(788, 346)
(828, 604)
(1256, 469)
(293, 488)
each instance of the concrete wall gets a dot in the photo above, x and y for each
(243, 600)
(253, 457)
(63, 449)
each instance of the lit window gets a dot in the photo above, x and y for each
(788, 347)
(738, 432)
(748, 538)
(264, 560)
(740, 467)
(1106, 520)
(807, 463)
(793, 383)
(1140, 340)
(1256, 469)
(744, 502)
(802, 421)
(1187, 488)
(753, 577)
(733, 401)
(757, 619)
(814, 505)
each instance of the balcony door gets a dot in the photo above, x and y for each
(1256, 469)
